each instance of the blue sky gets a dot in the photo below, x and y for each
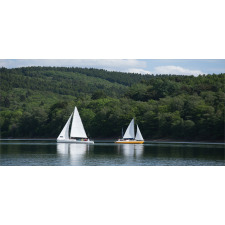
(143, 66)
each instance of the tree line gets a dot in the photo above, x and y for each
(37, 101)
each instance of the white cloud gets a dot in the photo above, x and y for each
(108, 64)
(176, 70)
(122, 65)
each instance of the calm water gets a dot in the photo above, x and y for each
(49, 153)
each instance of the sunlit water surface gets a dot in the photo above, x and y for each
(50, 153)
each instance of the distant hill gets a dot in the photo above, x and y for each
(63, 81)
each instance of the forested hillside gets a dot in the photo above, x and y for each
(37, 101)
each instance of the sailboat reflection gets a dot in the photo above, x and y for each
(74, 152)
(131, 150)
(139, 150)
(62, 148)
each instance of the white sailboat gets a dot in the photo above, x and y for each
(129, 136)
(77, 132)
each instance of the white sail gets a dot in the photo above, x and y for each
(77, 128)
(65, 131)
(138, 135)
(130, 130)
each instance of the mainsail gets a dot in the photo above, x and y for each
(77, 128)
(130, 130)
(65, 131)
(138, 135)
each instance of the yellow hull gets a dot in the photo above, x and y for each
(129, 142)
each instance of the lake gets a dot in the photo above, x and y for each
(106, 153)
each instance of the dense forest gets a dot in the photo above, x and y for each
(37, 101)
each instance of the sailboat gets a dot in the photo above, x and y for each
(77, 132)
(129, 138)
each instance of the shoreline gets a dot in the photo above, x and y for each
(163, 140)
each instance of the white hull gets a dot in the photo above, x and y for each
(75, 141)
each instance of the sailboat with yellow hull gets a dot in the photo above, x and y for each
(129, 138)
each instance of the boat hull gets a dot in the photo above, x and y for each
(129, 142)
(75, 141)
